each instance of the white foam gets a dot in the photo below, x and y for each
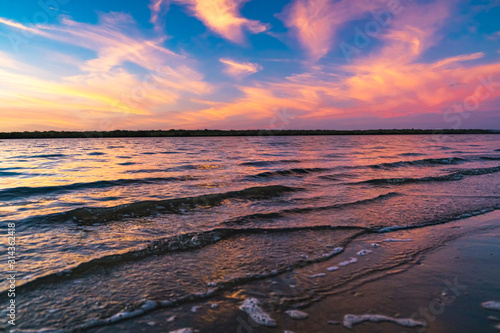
(491, 305)
(317, 275)
(348, 262)
(335, 251)
(297, 314)
(350, 320)
(493, 318)
(497, 327)
(332, 268)
(146, 307)
(251, 306)
(364, 252)
(393, 240)
(182, 330)
(195, 308)
(375, 244)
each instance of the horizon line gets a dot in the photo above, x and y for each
(217, 132)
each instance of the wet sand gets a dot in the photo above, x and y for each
(441, 275)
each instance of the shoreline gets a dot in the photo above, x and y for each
(229, 133)
(449, 272)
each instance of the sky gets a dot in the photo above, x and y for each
(249, 64)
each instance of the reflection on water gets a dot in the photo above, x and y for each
(109, 209)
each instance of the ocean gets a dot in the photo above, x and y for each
(113, 228)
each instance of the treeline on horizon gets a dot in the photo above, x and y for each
(209, 132)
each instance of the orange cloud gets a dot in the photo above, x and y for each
(240, 69)
(223, 17)
(103, 88)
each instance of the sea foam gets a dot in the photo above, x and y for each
(296, 314)
(251, 306)
(364, 252)
(183, 330)
(348, 262)
(491, 305)
(350, 320)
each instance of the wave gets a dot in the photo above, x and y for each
(173, 169)
(41, 156)
(146, 208)
(449, 177)
(423, 162)
(178, 243)
(490, 158)
(282, 213)
(337, 176)
(9, 173)
(287, 172)
(22, 192)
(146, 306)
(411, 154)
(267, 163)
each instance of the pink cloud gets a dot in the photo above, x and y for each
(390, 82)
(316, 22)
(239, 69)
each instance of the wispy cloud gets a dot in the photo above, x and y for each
(315, 22)
(158, 7)
(104, 85)
(223, 17)
(20, 26)
(239, 69)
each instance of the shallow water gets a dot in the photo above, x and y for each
(104, 224)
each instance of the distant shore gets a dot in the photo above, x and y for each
(216, 133)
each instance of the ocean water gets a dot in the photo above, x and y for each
(113, 226)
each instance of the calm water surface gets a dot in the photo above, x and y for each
(107, 225)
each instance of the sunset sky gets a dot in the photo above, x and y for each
(237, 64)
